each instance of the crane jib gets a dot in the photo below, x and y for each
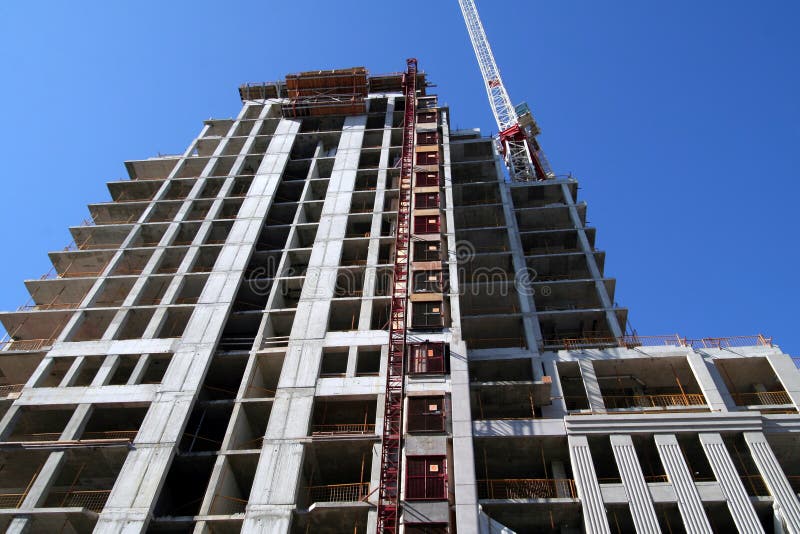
(523, 157)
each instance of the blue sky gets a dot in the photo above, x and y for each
(680, 119)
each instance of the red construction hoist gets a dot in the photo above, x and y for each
(391, 451)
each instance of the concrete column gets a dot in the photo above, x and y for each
(106, 370)
(133, 498)
(279, 470)
(39, 373)
(9, 420)
(21, 524)
(788, 374)
(522, 282)
(50, 469)
(593, 392)
(742, 511)
(690, 506)
(591, 261)
(641, 503)
(787, 504)
(595, 520)
(72, 372)
(139, 369)
(466, 493)
(711, 384)
(52, 466)
(558, 408)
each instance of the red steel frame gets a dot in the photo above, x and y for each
(391, 451)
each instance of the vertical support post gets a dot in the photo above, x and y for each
(742, 511)
(690, 506)
(787, 504)
(594, 512)
(641, 503)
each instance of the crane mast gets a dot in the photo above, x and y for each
(524, 158)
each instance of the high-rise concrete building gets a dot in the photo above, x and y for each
(217, 351)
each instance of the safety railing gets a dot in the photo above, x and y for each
(575, 343)
(84, 274)
(10, 389)
(25, 344)
(340, 429)
(338, 492)
(113, 221)
(123, 271)
(110, 434)
(94, 500)
(12, 500)
(51, 306)
(761, 398)
(654, 401)
(734, 341)
(589, 340)
(527, 488)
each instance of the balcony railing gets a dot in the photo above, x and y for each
(11, 500)
(338, 492)
(341, 429)
(527, 488)
(51, 306)
(128, 435)
(25, 344)
(10, 389)
(593, 339)
(653, 401)
(94, 500)
(761, 398)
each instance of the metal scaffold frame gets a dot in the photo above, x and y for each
(391, 450)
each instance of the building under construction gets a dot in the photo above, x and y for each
(333, 313)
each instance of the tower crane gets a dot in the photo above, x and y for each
(518, 130)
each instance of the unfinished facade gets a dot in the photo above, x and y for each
(214, 351)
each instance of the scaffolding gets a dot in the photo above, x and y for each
(326, 92)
